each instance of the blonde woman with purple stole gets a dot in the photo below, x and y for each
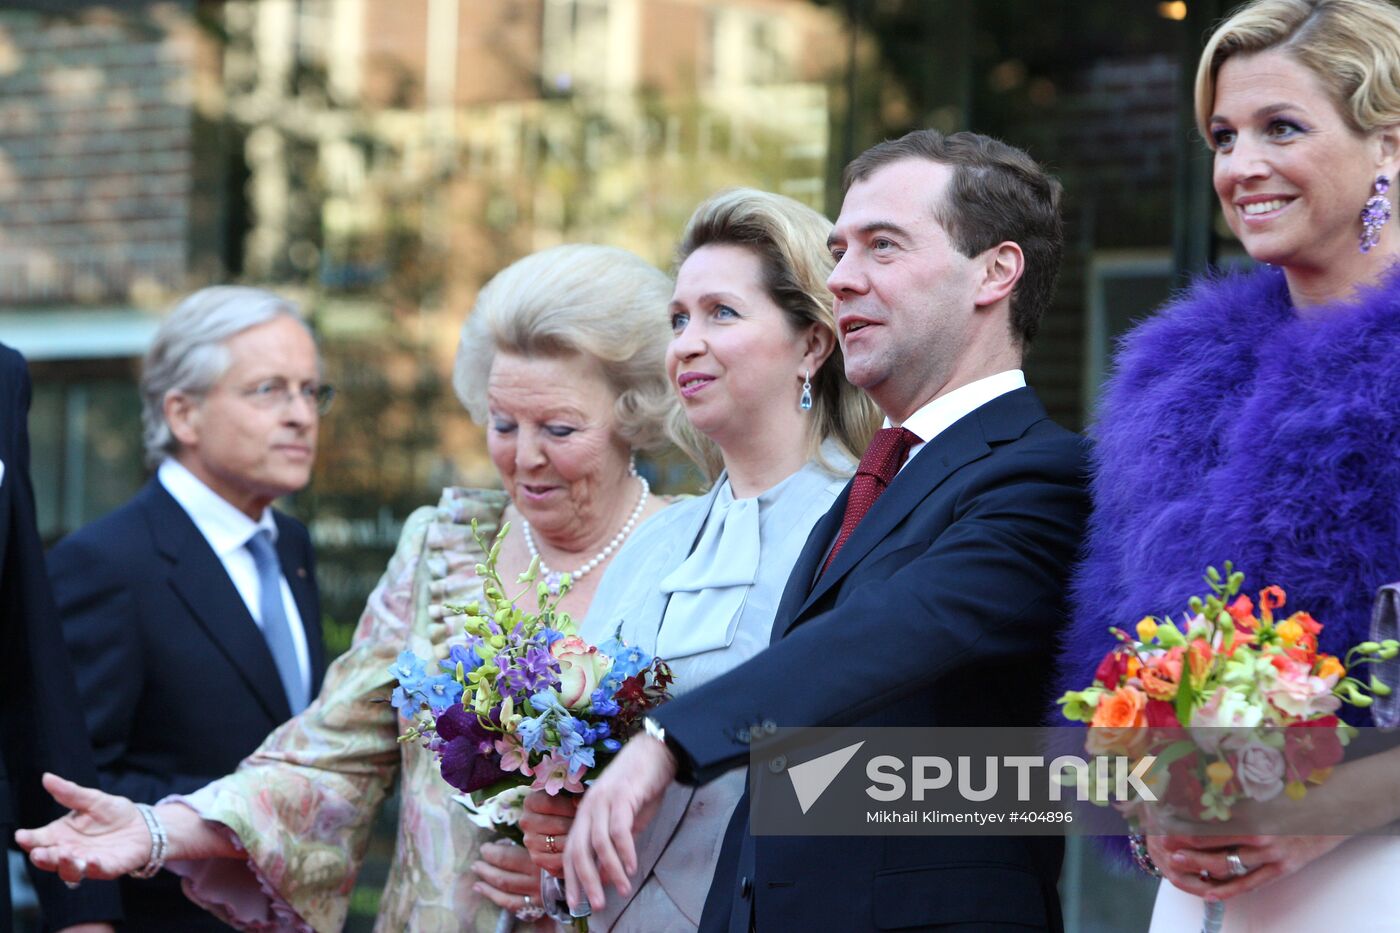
(755, 361)
(1275, 396)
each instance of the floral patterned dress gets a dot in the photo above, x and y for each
(301, 806)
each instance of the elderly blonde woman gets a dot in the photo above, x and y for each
(562, 361)
(1283, 383)
(755, 361)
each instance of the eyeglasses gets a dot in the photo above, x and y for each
(278, 393)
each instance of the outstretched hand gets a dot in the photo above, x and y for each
(103, 837)
(602, 846)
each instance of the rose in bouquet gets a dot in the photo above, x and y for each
(525, 704)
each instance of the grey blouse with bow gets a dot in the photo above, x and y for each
(697, 585)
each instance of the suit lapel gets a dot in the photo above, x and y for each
(198, 577)
(968, 439)
(303, 586)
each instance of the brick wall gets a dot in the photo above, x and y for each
(95, 154)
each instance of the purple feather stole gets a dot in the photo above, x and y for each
(1236, 429)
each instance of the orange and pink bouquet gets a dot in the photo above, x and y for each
(1234, 702)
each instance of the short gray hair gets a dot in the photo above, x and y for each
(189, 354)
(600, 301)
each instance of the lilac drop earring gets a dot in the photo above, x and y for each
(1375, 214)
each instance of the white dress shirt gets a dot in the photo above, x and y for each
(940, 414)
(227, 530)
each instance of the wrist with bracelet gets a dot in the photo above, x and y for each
(159, 843)
(1138, 843)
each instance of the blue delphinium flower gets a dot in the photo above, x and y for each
(441, 692)
(408, 670)
(603, 704)
(581, 759)
(612, 745)
(547, 701)
(408, 696)
(463, 654)
(406, 703)
(627, 661)
(531, 731)
(570, 734)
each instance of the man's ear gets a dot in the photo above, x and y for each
(183, 414)
(1003, 265)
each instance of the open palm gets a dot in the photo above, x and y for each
(103, 837)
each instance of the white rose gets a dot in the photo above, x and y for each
(1261, 770)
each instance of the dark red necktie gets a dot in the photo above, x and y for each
(877, 469)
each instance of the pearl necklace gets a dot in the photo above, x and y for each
(555, 579)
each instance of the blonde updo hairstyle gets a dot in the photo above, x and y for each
(1351, 46)
(789, 239)
(599, 301)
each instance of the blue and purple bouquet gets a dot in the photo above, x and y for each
(524, 701)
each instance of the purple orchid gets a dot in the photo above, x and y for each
(468, 759)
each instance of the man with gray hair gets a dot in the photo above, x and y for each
(191, 612)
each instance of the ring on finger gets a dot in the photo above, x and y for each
(529, 911)
(1238, 868)
(549, 845)
(1205, 875)
(72, 885)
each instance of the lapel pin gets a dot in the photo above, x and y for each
(301, 572)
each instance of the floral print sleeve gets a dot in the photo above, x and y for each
(303, 804)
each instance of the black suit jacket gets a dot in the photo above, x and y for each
(40, 719)
(175, 676)
(955, 578)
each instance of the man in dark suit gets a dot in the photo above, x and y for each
(40, 719)
(931, 594)
(192, 612)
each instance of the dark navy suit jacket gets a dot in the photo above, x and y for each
(941, 610)
(40, 720)
(176, 679)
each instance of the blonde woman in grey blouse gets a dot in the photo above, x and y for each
(769, 413)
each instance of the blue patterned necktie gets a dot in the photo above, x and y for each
(277, 629)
